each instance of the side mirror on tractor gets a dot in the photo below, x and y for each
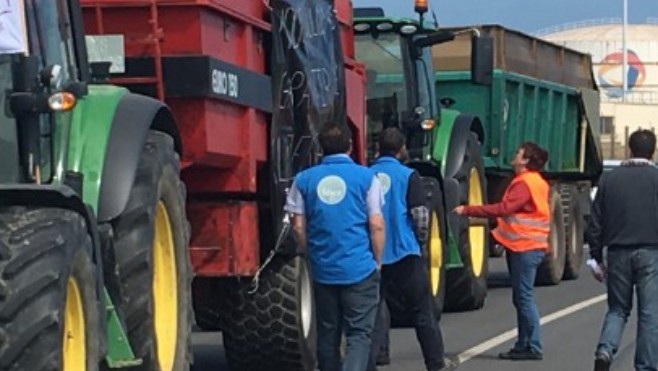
(482, 58)
(435, 38)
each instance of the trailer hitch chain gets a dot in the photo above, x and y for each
(285, 228)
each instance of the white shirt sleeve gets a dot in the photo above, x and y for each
(12, 38)
(295, 201)
(375, 197)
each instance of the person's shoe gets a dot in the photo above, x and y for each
(448, 364)
(602, 361)
(383, 360)
(521, 355)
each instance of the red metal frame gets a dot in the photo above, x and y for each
(225, 143)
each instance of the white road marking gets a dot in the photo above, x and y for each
(511, 334)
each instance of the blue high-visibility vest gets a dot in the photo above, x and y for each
(335, 200)
(400, 238)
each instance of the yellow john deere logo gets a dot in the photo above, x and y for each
(332, 189)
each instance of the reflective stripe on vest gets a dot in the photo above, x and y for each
(527, 231)
(517, 237)
(527, 221)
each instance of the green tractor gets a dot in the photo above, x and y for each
(94, 269)
(444, 146)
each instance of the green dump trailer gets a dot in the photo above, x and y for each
(466, 98)
(539, 92)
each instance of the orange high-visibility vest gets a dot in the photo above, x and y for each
(525, 231)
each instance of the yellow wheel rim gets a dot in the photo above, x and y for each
(476, 233)
(74, 344)
(436, 254)
(165, 290)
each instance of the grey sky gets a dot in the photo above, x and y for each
(524, 15)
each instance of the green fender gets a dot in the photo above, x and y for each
(88, 137)
(107, 135)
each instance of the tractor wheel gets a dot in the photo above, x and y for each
(467, 286)
(436, 250)
(271, 329)
(551, 269)
(49, 316)
(150, 242)
(574, 223)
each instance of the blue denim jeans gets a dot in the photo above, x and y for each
(628, 269)
(349, 308)
(522, 268)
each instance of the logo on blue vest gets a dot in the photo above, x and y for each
(385, 180)
(332, 189)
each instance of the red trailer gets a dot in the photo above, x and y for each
(218, 65)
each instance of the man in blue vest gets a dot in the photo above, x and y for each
(406, 217)
(338, 220)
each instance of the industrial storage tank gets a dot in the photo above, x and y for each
(603, 40)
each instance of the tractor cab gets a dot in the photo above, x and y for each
(400, 76)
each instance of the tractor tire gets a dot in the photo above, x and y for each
(49, 309)
(271, 329)
(574, 222)
(467, 286)
(437, 246)
(150, 241)
(551, 270)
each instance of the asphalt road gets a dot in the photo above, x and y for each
(573, 311)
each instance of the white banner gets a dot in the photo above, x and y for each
(11, 27)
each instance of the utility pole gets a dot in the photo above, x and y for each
(624, 72)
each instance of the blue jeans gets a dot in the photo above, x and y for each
(628, 269)
(522, 268)
(349, 308)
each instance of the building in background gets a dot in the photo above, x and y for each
(603, 40)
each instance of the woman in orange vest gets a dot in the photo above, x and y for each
(523, 225)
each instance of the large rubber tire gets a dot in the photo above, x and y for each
(272, 329)
(49, 316)
(437, 245)
(467, 286)
(150, 241)
(551, 269)
(574, 223)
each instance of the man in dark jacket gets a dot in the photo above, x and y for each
(625, 220)
(406, 217)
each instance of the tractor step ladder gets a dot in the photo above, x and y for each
(151, 42)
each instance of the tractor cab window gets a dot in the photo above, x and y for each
(386, 89)
(49, 27)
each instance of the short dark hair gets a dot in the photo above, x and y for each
(642, 144)
(536, 156)
(391, 141)
(335, 138)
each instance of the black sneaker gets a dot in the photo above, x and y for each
(602, 361)
(521, 355)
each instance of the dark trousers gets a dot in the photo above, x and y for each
(349, 308)
(522, 268)
(630, 269)
(407, 280)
